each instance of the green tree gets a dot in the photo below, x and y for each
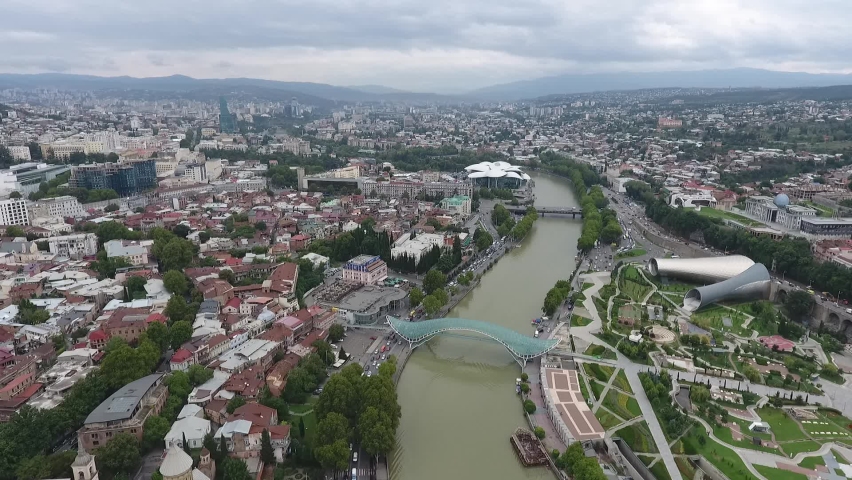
(267, 454)
(799, 304)
(120, 454)
(260, 226)
(336, 332)
(431, 304)
(158, 333)
(235, 469)
(136, 287)
(111, 208)
(415, 296)
(155, 430)
(433, 280)
(441, 295)
(181, 230)
(376, 432)
(699, 394)
(529, 406)
(15, 231)
(180, 333)
(227, 275)
(299, 383)
(539, 432)
(324, 351)
(123, 365)
(177, 309)
(15, 194)
(199, 374)
(175, 282)
(235, 403)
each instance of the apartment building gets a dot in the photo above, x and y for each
(74, 246)
(457, 205)
(14, 212)
(64, 206)
(393, 189)
(129, 177)
(125, 411)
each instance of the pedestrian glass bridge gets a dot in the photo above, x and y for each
(522, 347)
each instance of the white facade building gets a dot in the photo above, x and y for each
(14, 212)
(20, 152)
(73, 246)
(64, 206)
(135, 254)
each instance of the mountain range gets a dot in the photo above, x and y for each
(308, 92)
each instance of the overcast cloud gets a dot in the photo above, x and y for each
(425, 45)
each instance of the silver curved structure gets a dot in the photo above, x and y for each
(700, 270)
(522, 347)
(754, 283)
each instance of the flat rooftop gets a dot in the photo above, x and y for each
(370, 297)
(563, 388)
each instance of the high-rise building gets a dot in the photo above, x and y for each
(14, 212)
(128, 177)
(226, 120)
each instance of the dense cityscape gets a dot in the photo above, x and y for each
(230, 285)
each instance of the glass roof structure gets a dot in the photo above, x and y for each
(521, 346)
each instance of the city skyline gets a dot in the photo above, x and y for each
(443, 48)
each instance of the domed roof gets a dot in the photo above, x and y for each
(266, 316)
(176, 463)
(495, 173)
(494, 170)
(782, 200)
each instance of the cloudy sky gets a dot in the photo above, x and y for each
(427, 45)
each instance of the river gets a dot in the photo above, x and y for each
(458, 399)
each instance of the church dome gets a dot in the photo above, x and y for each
(176, 464)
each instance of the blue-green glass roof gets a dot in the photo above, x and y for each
(520, 345)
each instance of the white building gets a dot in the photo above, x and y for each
(698, 198)
(64, 206)
(365, 269)
(14, 212)
(74, 246)
(193, 428)
(791, 216)
(20, 152)
(416, 247)
(134, 253)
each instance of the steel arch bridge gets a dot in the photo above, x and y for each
(522, 347)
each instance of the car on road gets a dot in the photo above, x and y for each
(372, 338)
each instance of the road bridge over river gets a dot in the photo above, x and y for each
(574, 212)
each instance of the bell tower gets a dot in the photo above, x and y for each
(84, 467)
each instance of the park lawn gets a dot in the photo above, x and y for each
(305, 407)
(784, 427)
(600, 351)
(583, 390)
(720, 360)
(660, 471)
(310, 424)
(598, 388)
(721, 457)
(825, 424)
(792, 448)
(638, 438)
(687, 471)
(724, 434)
(600, 372)
(822, 209)
(621, 382)
(622, 405)
(812, 462)
(646, 459)
(578, 321)
(607, 419)
(713, 213)
(711, 318)
(677, 287)
(778, 473)
(838, 420)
